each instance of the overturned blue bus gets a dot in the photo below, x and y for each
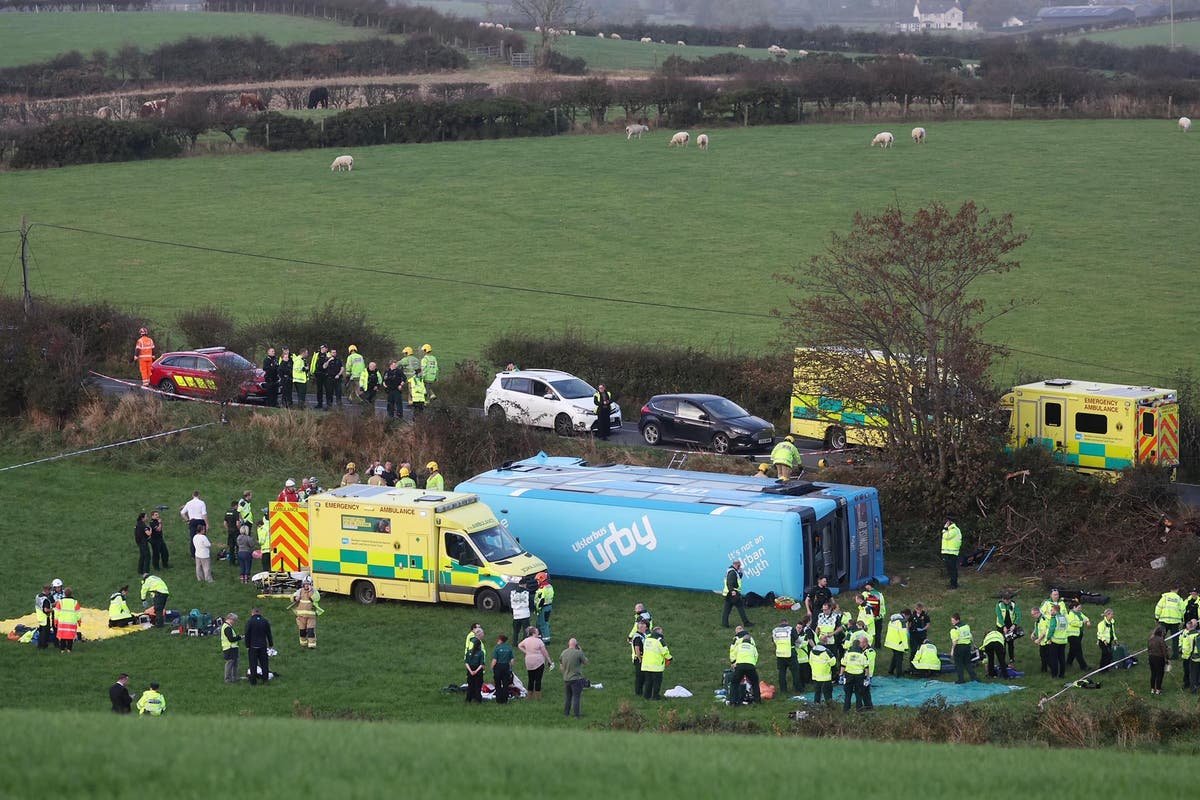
(680, 529)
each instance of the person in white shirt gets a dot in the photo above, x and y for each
(203, 547)
(194, 513)
(519, 600)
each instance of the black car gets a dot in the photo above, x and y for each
(704, 419)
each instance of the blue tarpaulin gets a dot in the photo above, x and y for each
(915, 691)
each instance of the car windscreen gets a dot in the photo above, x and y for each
(720, 408)
(572, 388)
(232, 361)
(496, 544)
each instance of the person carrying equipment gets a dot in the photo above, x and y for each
(786, 458)
(960, 641)
(732, 589)
(951, 545)
(143, 354)
(152, 702)
(306, 600)
(119, 614)
(745, 667)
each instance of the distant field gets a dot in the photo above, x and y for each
(26, 38)
(1109, 264)
(624, 54)
(1187, 34)
(192, 759)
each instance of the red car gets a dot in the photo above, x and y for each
(194, 373)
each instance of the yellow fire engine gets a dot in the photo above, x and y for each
(403, 544)
(1097, 427)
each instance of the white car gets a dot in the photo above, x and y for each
(545, 398)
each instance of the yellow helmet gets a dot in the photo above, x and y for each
(789, 438)
(763, 467)
(407, 351)
(426, 348)
(432, 465)
(353, 348)
(351, 467)
(404, 473)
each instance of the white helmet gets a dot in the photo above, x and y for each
(56, 583)
(291, 484)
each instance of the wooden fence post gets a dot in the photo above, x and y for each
(1012, 104)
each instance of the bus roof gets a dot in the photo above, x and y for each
(1066, 386)
(697, 492)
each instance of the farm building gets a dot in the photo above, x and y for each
(1080, 16)
(937, 15)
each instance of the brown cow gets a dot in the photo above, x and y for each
(251, 100)
(152, 108)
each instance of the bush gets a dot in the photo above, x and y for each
(211, 327)
(561, 64)
(336, 324)
(85, 140)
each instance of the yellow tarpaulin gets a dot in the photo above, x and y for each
(93, 624)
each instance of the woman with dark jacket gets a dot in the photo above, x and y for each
(474, 662)
(1156, 651)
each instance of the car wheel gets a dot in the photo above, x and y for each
(167, 386)
(488, 600)
(496, 413)
(720, 443)
(651, 433)
(363, 592)
(835, 439)
(562, 425)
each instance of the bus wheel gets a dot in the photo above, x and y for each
(835, 439)
(363, 592)
(488, 600)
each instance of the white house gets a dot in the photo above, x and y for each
(1013, 22)
(938, 15)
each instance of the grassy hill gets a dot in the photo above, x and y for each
(193, 759)
(26, 38)
(1108, 265)
(1187, 34)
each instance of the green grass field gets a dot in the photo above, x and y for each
(193, 759)
(609, 54)
(1108, 263)
(26, 38)
(1187, 34)
(74, 520)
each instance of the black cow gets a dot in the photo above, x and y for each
(318, 97)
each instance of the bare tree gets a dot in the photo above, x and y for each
(545, 16)
(889, 322)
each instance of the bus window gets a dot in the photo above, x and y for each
(1052, 414)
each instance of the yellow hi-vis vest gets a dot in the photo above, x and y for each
(993, 637)
(802, 655)
(725, 583)
(1075, 622)
(745, 653)
(855, 662)
(927, 658)
(228, 642)
(299, 370)
(416, 389)
(264, 536)
(782, 634)
(43, 619)
(118, 608)
(960, 634)
(470, 643)
(785, 453)
(68, 611)
(1061, 630)
(152, 703)
(654, 655)
(429, 367)
(951, 540)
(897, 636)
(822, 666)
(1106, 630)
(1169, 609)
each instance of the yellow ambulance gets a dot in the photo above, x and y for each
(1099, 428)
(401, 544)
(816, 413)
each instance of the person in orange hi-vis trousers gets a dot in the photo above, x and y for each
(144, 355)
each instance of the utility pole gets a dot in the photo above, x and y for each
(26, 298)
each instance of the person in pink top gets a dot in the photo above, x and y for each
(537, 658)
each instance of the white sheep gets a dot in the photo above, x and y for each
(801, 53)
(537, 28)
(680, 139)
(883, 139)
(918, 135)
(702, 141)
(600, 35)
(635, 129)
(615, 36)
(741, 47)
(1185, 124)
(645, 40)
(681, 43)
(572, 33)
(342, 164)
